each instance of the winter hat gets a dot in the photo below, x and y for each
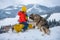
(24, 8)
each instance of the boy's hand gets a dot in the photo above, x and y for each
(27, 18)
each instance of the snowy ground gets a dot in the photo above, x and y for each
(33, 34)
(9, 21)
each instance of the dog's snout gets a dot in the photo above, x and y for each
(29, 17)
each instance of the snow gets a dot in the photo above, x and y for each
(34, 7)
(33, 34)
(29, 9)
(55, 16)
(14, 8)
(9, 21)
(8, 12)
(44, 15)
(11, 8)
(8, 9)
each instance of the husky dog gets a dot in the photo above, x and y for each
(40, 22)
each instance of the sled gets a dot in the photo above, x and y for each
(19, 27)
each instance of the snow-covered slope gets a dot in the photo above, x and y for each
(9, 21)
(55, 16)
(39, 9)
(33, 34)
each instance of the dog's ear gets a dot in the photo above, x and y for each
(32, 14)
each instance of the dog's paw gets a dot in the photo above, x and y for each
(48, 33)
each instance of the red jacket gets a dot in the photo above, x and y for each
(22, 16)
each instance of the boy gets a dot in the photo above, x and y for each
(23, 17)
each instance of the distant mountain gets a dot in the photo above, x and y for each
(56, 9)
(11, 11)
(39, 9)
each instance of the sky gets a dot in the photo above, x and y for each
(48, 3)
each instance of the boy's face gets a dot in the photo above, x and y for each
(24, 12)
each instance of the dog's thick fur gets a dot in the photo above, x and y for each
(40, 22)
